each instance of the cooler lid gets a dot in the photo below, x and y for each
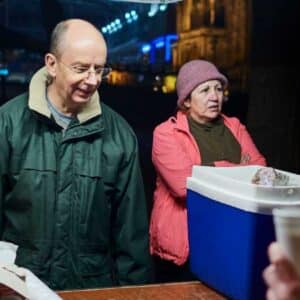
(232, 186)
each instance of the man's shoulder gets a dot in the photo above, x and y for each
(118, 128)
(15, 104)
(114, 117)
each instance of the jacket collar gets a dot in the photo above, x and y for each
(37, 98)
(181, 121)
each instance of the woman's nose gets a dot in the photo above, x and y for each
(213, 94)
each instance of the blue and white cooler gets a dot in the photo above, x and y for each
(230, 227)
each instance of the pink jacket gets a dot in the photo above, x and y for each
(174, 153)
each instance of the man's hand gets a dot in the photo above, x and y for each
(280, 276)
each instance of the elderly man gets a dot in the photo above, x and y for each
(71, 191)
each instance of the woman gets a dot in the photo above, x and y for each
(199, 134)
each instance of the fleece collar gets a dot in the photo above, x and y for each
(37, 99)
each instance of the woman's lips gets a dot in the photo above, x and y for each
(213, 107)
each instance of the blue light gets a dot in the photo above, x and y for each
(146, 48)
(133, 12)
(135, 17)
(109, 28)
(104, 30)
(162, 7)
(159, 44)
(127, 15)
(117, 21)
(129, 20)
(153, 10)
(165, 42)
(3, 72)
(169, 39)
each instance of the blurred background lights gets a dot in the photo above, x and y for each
(159, 44)
(162, 7)
(3, 72)
(131, 17)
(146, 48)
(153, 10)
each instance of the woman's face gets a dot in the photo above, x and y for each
(205, 102)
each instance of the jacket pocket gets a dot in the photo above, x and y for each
(31, 161)
(34, 260)
(94, 269)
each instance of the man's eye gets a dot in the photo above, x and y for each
(79, 69)
(99, 70)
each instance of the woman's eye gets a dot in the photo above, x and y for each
(204, 90)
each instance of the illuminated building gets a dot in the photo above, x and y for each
(216, 30)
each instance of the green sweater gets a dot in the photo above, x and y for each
(215, 142)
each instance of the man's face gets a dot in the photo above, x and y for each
(79, 70)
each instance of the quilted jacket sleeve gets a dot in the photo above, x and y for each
(172, 162)
(249, 152)
(130, 222)
(4, 151)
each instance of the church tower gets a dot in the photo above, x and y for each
(215, 30)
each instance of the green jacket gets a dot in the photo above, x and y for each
(74, 203)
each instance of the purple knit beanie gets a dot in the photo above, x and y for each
(194, 72)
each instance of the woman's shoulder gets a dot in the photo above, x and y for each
(173, 122)
(231, 121)
(167, 125)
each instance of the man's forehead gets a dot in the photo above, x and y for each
(81, 29)
(82, 48)
(84, 58)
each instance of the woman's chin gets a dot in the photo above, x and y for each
(214, 114)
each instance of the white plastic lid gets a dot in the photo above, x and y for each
(232, 186)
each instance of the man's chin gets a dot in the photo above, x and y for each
(81, 100)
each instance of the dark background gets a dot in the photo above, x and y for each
(269, 107)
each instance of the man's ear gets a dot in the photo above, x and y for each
(51, 63)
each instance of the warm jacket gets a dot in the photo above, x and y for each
(174, 153)
(74, 202)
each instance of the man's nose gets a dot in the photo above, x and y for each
(92, 78)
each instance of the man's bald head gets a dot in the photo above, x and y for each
(72, 29)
